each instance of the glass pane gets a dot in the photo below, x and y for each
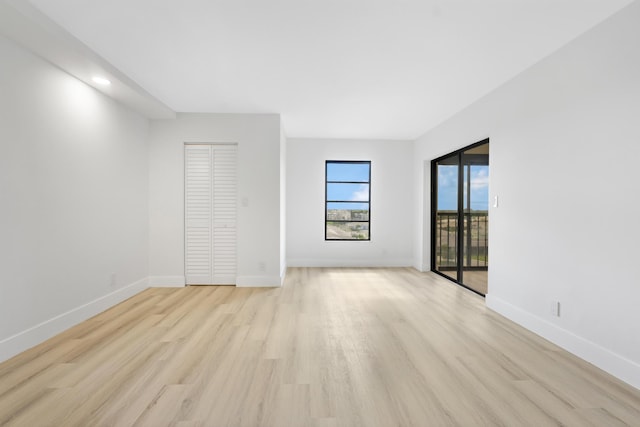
(465, 190)
(347, 211)
(446, 230)
(348, 192)
(349, 172)
(347, 231)
(475, 256)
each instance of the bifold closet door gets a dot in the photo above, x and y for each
(210, 214)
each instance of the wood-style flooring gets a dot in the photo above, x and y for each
(333, 347)
(477, 280)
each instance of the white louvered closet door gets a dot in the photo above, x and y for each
(210, 214)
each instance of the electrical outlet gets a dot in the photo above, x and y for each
(113, 280)
(262, 266)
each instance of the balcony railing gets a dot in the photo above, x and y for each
(475, 238)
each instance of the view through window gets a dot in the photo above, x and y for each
(347, 200)
(460, 216)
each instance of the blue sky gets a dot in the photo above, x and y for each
(448, 187)
(354, 172)
(348, 192)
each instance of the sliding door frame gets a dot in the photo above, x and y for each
(460, 216)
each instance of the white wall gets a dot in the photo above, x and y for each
(73, 205)
(564, 156)
(258, 139)
(391, 203)
(283, 204)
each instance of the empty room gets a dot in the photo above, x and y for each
(319, 213)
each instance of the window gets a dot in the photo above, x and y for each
(347, 200)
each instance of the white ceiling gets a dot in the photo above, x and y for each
(384, 69)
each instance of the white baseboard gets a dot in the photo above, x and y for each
(167, 281)
(258, 281)
(422, 268)
(33, 336)
(344, 262)
(616, 365)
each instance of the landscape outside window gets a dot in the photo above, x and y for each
(476, 210)
(347, 200)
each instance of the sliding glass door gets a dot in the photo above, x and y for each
(460, 213)
(446, 216)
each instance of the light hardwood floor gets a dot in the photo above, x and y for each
(474, 279)
(333, 347)
(477, 280)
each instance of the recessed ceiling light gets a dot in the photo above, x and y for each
(101, 81)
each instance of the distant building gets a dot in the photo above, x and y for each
(338, 215)
(359, 215)
(347, 215)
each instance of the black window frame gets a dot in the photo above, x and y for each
(326, 201)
